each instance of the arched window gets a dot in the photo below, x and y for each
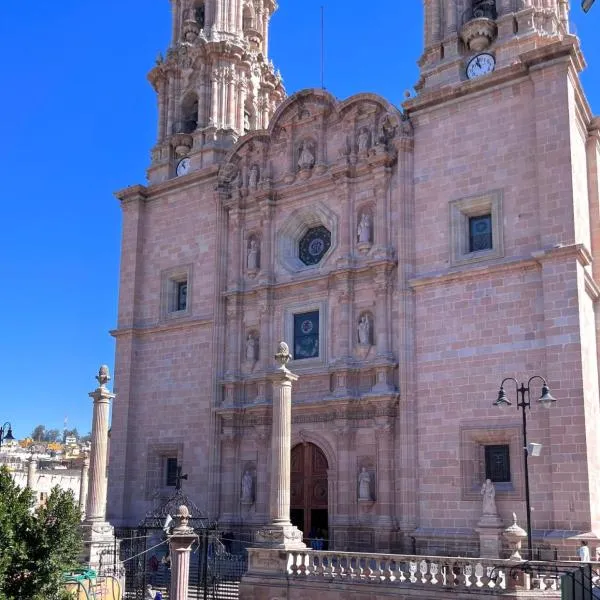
(199, 14)
(189, 113)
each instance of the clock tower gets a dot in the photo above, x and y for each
(215, 84)
(457, 31)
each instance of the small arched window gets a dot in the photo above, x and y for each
(199, 14)
(189, 114)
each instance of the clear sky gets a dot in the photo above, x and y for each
(79, 119)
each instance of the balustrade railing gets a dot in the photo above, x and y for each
(443, 572)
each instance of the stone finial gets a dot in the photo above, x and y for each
(283, 355)
(182, 519)
(103, 376)
(514, 536)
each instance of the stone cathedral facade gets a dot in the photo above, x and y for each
(411, 258)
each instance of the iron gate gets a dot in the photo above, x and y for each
(217, 561)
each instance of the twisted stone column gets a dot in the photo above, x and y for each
(180, 544)
(281, 533)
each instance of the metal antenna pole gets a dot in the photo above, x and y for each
(322, 49)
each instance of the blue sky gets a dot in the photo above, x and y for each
(79, 121)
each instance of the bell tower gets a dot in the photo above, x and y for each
(458, 30)
(215, 84)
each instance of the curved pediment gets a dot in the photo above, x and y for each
(311, 133)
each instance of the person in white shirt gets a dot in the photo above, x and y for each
(584, 552)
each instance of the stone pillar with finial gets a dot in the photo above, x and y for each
(280, 533)
(83, 484)
(514, 535)
(98, 535)
(180, 545)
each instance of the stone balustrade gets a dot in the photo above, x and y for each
(443, 572)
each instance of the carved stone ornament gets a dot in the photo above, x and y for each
(253, 258)
(306, 158)
(103, 376)
(479, 33)
(182, 518)
(514, 536)
(363, 140)
(283, 355)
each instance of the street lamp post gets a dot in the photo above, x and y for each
(523, 403)
(8, 435)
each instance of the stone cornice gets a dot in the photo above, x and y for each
(566, 48)
(157, 190)
(132, 193)
(312, 276)
(161, 327)
(578, 251)
(328, 409)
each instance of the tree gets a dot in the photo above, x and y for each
(37, 546)
(52, 435)
(37, 435)
(69, 433)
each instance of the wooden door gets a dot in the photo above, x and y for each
(309, 491)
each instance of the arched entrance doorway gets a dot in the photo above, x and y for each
(308, 502)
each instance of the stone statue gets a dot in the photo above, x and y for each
(364, 485)
(283, 355)
(250, 348)
(253, 178)
(488, 491)
(247, 487)
(103, 376)
(364, 331)
(364, 229)
(307, 158)
(253, 263)
(363, 140)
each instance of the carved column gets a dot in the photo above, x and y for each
(162, 107)
(83, 485)
(383, 325)
(230, 100)
(98, 534)
(31, 471)
(385, 483)
(346, 488)
(202, 99)
(214, 98)
(96, 501)
(451, 15)
(281, 533)
(436, 21)
(171, 104)
(505, 7)
(180, 544)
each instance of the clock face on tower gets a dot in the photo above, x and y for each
(479, 65)
(183, 166)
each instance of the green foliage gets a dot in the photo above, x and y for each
(41, 434)
(37, 435)
(36, 546)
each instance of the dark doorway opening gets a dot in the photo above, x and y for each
(309, 495)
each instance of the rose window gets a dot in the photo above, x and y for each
(314, 244)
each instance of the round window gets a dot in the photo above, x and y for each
(314, 244)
